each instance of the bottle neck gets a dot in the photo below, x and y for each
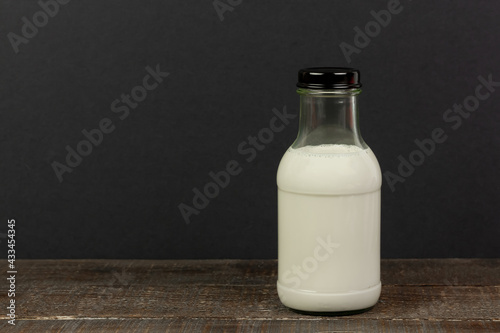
(329, 117)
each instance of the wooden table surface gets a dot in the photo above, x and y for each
(431, 295)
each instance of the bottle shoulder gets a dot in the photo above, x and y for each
(329, 169)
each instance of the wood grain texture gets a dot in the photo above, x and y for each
(431, 295)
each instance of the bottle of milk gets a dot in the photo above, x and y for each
(329, 201)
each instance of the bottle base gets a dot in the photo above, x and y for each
(329, 302)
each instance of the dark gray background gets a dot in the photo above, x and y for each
(225, 79)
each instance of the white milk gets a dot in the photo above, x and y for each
(329, 228)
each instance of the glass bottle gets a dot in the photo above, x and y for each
(329, 201)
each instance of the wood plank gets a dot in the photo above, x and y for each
(239, 301)
(418, 295)
(191, 325)
(449, 272)
(465, 272)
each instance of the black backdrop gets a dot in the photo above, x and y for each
(230, 63)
